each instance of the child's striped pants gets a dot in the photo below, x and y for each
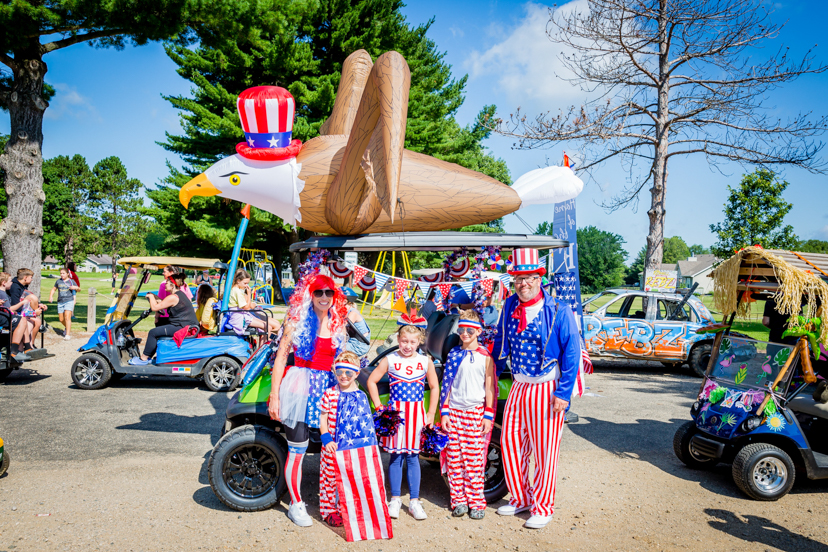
(327, 483)
(466, 455)
(529, 426)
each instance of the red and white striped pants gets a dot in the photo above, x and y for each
(530, 426)
(466, 454)
(327, 483)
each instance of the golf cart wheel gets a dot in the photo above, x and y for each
(763, 471)
(699, 358)
(247, 468)
(222, 374)
(685, 453)
(4, 466)
(91, 371)
(5, 371)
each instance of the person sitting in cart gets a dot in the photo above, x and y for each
(240, 300)
(18, 330)
(205, 299)
(180, 315)
(162, 317)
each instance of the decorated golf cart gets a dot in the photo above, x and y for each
(216, 358)
(246, 467)
(762, 406)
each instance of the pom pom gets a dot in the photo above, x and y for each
(717, 394)
(387, 421)
(432, 441)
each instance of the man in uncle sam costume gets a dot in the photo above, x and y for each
(538, 335)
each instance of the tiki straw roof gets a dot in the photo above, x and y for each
(791, 275)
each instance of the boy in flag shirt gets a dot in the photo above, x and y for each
(467, 410)
(351, 483)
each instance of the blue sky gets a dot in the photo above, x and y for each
(109, 103)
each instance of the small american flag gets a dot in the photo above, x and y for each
(359, 475)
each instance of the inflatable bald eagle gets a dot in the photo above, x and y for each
(357, 178)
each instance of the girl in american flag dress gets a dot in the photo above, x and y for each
(407, 371)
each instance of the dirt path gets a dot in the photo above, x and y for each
(124, 469)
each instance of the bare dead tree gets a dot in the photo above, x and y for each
(672, 77)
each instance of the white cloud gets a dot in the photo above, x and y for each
(456, 31)
(525, 64)
(69, 103)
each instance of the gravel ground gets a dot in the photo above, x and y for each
(124, 468)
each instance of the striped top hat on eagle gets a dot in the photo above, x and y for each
(266, 114)
(525, 261)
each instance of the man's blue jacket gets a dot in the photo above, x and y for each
(563, 341)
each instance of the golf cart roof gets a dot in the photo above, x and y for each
(428, 241)
(187, 263)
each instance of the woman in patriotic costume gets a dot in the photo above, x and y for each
(538, 335)
(315, 333)
(407, 371)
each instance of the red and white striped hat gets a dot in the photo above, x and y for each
(266, 114)
(526, 261)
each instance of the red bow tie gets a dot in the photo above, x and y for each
(520, 311)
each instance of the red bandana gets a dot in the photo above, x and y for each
(520, 311)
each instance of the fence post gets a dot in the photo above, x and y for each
(90, 311)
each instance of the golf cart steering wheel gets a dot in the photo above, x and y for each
(354, 332)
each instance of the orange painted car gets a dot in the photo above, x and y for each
(641, 325)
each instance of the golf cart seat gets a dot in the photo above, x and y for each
(442, 337)
(804, 403)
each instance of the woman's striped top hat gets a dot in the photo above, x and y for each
(266, 114)
(526, 261)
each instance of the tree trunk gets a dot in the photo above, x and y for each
(295, 257)
(655, 239)
(21, 231)
(69, 249)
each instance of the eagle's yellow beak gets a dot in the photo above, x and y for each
(198, 186)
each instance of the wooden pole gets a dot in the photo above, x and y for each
(90, 311)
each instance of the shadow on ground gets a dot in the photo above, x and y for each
(762, 531)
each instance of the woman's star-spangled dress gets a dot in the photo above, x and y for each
(407, 379)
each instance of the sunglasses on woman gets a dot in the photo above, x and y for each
(323, 292)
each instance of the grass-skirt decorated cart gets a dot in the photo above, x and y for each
(761, 405)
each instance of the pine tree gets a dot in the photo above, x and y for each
(754, 215)
(117, 207)
(302, 49)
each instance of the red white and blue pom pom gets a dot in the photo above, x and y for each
(387, 421)
(432, 441)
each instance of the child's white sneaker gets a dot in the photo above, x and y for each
(415, 507)
(299, 515)
(510, 510)
(394, 508)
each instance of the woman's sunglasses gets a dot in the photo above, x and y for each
(323, 292)
(461, 331)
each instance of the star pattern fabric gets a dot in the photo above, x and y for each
(566, 289)
(318, 383)
(526, 348)
(407, 377)
(354, 424)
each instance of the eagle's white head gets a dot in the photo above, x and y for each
(270, 185)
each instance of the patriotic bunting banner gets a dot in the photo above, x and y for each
(400, 286)
(444, 289)
(488, 286)
(367, 283)
(432, 278)
(340, 269)
(381, 279)
(359, 273)
(460, 268)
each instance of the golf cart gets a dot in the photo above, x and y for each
(218, 359)
(246, 467)
(7, 362)
(761, 406)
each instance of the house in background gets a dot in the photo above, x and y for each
(697, 270)
(97, 263)
(50, 263)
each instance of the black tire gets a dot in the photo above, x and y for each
(700, 357)
(247, 468)
(4, 466)
(763, 471)
(494, 475)
(681, 446)
(91, 371)
(222, 374)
